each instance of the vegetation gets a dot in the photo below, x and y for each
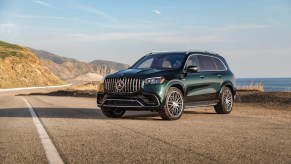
(9, 45)
(252, 87)
(19, 67)
(8, 50)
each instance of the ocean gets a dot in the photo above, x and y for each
(269, 84)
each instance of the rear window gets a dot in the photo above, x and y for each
(206, 63)
(219, 65)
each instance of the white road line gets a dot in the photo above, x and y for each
(27, 88)
(51, 152)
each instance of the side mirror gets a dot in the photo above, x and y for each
(192, 69)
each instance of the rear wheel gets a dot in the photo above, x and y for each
(174, 105)
(113, 113)
(225, 102)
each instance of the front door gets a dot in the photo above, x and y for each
(196, 87)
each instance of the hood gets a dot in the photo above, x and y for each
(141, 73)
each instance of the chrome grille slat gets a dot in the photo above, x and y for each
(111, 84)
(127, 89)
(130, 85)
(134, 84)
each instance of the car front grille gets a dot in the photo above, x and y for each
(122, 85)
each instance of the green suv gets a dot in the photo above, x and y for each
(166, 82)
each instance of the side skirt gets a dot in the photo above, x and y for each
(201, 103)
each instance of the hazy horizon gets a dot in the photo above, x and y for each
(253, 36)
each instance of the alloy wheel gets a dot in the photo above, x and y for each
(228, 100)
(175, 104)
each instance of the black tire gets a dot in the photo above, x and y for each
(174, 105)
(225, 102)
(113, 113)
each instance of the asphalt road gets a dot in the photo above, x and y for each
(81, 134)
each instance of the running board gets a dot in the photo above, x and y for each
(201, 104)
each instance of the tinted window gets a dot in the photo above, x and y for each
(192, 61)
(220, 66)
(206, 63)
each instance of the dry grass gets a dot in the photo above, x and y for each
(19, 67)
(252, 87)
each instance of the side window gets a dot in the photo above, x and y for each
(220, 66)
(192, 61)
(207, 63)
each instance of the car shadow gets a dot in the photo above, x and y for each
(82, 113)
(78, 113)
(199, 112)
(151, 116)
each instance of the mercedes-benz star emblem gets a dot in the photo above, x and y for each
(119, 85)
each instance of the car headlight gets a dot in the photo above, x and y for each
(154, 80)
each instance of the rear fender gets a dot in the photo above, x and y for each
(230, 86)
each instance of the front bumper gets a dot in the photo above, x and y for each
(141, 101)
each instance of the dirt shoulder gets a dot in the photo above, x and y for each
(271, 100)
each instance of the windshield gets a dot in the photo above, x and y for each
(160, 61)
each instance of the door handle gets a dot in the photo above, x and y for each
(202, 76)
(219, 76)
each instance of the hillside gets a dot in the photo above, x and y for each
(19, 67)
(68, 69)
(88, 77)
(110, 64)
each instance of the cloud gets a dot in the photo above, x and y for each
(97, 13)
(37, 17)
(155, 37)
(8, 30)
(72, 19)
(243, 27)
(45, 4)
(157, 12)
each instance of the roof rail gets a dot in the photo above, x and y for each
(196, 50)
(158, 52)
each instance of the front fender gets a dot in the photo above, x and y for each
(176, 83)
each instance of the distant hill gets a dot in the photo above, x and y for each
(110, 64)
(87, 77)
(19, 67)
(69, 69)
(50, 56)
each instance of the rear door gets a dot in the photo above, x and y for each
(213, 75)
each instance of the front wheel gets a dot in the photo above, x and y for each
(225, 102)
(174, 105)
(113, 113)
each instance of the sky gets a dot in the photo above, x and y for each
(253, 35)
